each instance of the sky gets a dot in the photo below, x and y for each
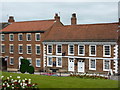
(87, 12)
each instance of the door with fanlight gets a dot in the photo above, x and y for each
(71, 64)
(80, 66)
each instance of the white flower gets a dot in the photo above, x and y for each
(3, 84)
(19, 81)
(23, 87)
(18, 77)
(29, 82)
(12, 84)
(23, 80)
(12, 87)
(8, 85)
(2, 76)
(10, 76)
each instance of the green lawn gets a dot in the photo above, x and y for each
(65, 82)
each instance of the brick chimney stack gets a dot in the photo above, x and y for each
(57, 18)
(11, 19)
(73, 19)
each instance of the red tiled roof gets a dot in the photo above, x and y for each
(29, 26)
(104, 31)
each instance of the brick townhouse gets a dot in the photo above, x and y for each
(52, 46)
(81, 48)
(23, 40)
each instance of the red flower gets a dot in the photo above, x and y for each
(29, 85)
(16, 83)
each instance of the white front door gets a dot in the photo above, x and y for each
(70, 64)
(80, 66)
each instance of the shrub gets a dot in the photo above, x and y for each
(25, 67)
(30, 70)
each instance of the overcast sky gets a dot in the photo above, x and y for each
(87, 12)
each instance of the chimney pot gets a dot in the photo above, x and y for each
(73, 19)
(11, 19)
(57, 18)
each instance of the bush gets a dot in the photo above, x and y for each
(30, 70)
(25, 67)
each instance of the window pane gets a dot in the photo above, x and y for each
(49, 49)
(11, 61)
(59, 50)
(71, 48)
(37, 36)
(59, 61)
(20, 37)
(29, 49)
(107, 50)
(49, 61)
(3, 48)
(81, 49)
(28, 37)
(38, 63)
(92, 50)
(92, 63)
(2, 37)
(106, 64)
(38, 49)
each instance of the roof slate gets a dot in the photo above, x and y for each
(84, 32)
(42, 25)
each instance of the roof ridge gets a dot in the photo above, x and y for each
(35, 21)
(91, 24)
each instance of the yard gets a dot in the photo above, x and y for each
(65, 82)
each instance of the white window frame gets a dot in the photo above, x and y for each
(30, 59)
(36, 49)
(27, 48)
(90, 64)
(36, 62)
(57, 61)
(104, 51)
(69, 49)
(57, 49)
(36, 36)
(10, 37)
(2, 48)
(48, 60)
(83, 50)
(27, 36)
(90, 50)
(2, 36)
(104, 65)
(48, 50)
(19, 48)
(10, 61)
(19, 38)
(10, 48)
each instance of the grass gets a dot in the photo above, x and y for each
(65, 82)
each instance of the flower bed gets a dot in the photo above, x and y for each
(10, 83)
(87, 76)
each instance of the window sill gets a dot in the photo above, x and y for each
(37, 66)
(106, 69)
(107, 56)
(92, 68)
